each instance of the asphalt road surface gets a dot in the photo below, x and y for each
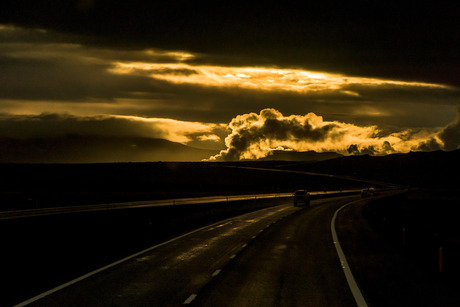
(278, 256)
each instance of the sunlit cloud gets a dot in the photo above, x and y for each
(258, 78)
(255, 136)
(209, 137)
(58, 125)
(178, 131)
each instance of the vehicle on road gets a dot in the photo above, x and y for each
(301, 198)
(368, 192)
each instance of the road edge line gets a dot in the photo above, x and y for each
(352, 284)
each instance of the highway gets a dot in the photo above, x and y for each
(277, 256)
(15, 214)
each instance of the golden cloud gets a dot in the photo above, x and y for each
(176, 130)
(255, 136)
(257, 78)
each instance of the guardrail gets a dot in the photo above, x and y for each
(12, 214)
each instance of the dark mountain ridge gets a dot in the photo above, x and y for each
(93, 149)
(281, 155)
(429, 169)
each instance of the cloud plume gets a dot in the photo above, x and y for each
(255, 136)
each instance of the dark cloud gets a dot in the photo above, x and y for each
(354, 149)
(451, 134)
(405, 40)
(70, 79)
(58, 125)
(386, 148)
(277, 128)
(430, 145)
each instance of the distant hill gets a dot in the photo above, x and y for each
(89, 149)
(281, 155)
(429, 169)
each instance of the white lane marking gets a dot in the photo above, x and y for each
(253, 237)
(244, 245)
(360, 301)
(216, 272)
(73, 281)
(232, 256)
(190, 299)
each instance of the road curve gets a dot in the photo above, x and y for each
(292, 264)
(278, 256)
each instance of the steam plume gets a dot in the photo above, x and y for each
(255, 136)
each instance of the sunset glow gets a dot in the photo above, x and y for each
(56, 85)
(258, 78)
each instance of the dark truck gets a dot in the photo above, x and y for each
(301, 198)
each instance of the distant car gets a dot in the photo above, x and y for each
(368, 192)
(301, 198)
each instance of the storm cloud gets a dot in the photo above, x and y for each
(255, 136)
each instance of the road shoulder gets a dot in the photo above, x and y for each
(386, 276)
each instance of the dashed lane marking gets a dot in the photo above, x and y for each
(190, 299)
(216, 272)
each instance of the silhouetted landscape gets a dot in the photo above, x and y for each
(428, 212)
(92, 149)
(282, 155)
(44, 185)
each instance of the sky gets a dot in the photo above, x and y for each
(241, 79)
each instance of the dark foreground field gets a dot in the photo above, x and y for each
(408, 231)
(404, 249)
(424, 226)
(28, 186)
